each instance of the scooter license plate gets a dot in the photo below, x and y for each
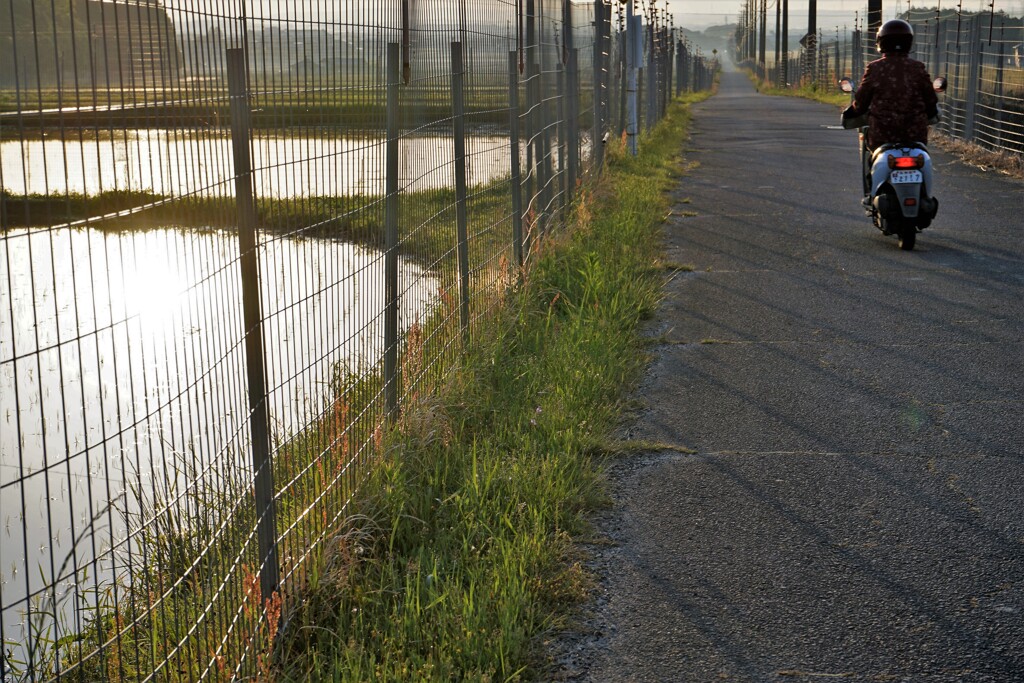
(902, 177)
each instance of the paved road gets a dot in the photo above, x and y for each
(854, 508)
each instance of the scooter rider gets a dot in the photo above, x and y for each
(896, 92)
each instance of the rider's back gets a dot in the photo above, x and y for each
(898, 94)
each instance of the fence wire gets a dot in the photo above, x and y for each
(238, 242)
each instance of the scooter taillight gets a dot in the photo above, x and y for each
(906, 162)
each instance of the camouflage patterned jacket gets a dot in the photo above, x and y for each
(897, 94)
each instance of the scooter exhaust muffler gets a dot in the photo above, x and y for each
(881, 204)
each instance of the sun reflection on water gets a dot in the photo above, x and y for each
(122, 375)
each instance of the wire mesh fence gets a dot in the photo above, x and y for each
(238, 241)
(980, 53)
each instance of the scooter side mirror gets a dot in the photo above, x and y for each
(846, 85)
(939, 84)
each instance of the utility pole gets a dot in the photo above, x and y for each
(785, 43)
(741, 44)
(754, 29)
(778, 38)
(755, 16)
(745, 23)
(748, 32)
(761, 57)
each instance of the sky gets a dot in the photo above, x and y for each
(702, 13)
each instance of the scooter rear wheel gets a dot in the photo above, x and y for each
(907, 239)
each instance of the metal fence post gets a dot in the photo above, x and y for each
(937, 56)
(858, 54)
(568, 110)
(517, 179)
(695, 72)
(598, 95)
(957, 85)
(652, 79)
(391, 235)
(538, 118)
(596, 147)
(670, 62)
(973, 77)
(634, 51)
(687, 78)
(659, 68)
(999, 93)
(562, 134)
(547, 109)
(839, 65)
(679, 68)
(536, 143)
(607, 71)
(621, 73)
(573, 112)
(266, 524)
(532, 148)
(458, 104)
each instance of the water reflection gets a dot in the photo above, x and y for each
(174, 164)
(122, 366)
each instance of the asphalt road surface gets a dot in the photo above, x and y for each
(853, 508)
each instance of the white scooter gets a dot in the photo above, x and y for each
(897, 180)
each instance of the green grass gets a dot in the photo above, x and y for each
(807, 91)
(810, 92)
(463, 549)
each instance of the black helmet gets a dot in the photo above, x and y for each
(895, 35)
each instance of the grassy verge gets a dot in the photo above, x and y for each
(810, 92)
(806, 91)
(426, 216)
(979, 157)
(462, 554)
